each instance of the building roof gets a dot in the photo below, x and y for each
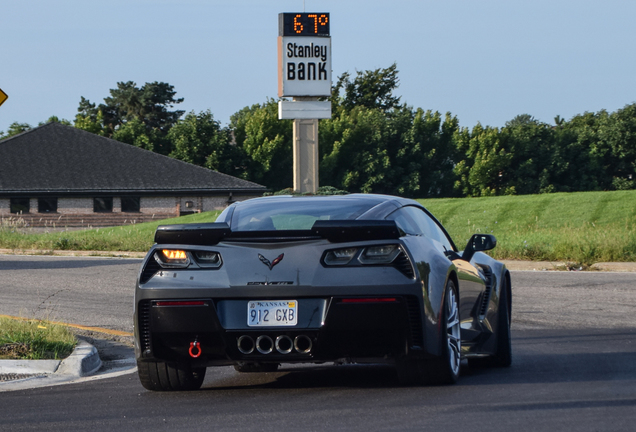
(62, 160)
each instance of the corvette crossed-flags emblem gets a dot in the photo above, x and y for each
(271, 265)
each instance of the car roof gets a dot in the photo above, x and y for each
(378, 205)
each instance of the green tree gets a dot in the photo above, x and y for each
(575, 165)
(16, 128)
(617, 148)
(89, 118)
(357, 158)
(134, 132)
(149, 105)
(426, 155)
(200, 140)
(486, 161)
(55, 119)
(370, 89)
(267, 142)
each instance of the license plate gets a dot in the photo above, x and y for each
(269, 313)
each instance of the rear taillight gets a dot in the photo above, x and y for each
(172, 258)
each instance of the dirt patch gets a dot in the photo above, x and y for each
(14, 351)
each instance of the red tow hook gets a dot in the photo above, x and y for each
(195, 349)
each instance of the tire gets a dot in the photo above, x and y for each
(163, 376)
(503, 354)
(445, 369)
(256, 367)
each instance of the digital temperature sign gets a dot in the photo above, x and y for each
(303, 24)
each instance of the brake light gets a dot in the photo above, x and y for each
(172, 258)
(175, 254)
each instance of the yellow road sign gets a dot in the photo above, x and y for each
(3, 97)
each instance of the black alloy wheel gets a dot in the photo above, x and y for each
(445, 369)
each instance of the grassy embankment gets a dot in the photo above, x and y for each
(34, 340)
(137, 237)
(585, 227)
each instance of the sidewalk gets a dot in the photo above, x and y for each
(97, 355)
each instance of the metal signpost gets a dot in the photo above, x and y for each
(304, 73)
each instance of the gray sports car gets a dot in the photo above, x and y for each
(354, 278)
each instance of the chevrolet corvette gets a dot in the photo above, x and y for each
(355, 278)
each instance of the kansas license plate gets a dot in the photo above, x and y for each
(264, 313)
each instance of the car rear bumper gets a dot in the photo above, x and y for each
(328, 329)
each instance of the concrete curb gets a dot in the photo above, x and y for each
(83, 361)
(564, 266)
(104, 254)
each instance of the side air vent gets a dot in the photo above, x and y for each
(144, 326)
(403, 264)
(415, 322)
(486, 295)
(151, 267)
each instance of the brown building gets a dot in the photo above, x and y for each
(63, 176)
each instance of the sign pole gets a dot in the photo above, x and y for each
(306, 157)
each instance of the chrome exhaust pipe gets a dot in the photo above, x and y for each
(264, 344)
(303, 344)
(284, 344)
(245, 344)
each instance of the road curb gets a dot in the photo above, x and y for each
(565, 266)
(83, 361)
(102, 254)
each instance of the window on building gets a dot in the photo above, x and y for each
(47, 205)
(20, 205)
(103, 205)
(130, 204)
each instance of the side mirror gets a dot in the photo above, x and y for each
(478, 243)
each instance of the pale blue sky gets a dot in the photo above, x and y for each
(484, 61)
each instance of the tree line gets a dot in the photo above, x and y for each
(376, 143)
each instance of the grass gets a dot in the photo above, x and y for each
(582, 227)
(136, 237)
(585, 227)
(34, 340)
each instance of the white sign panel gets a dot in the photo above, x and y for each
(304, 66)
(304, 110)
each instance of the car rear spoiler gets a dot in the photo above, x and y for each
(192, 234)
(336, 231)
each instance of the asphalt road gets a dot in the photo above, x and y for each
(574, 367)
(88, 291)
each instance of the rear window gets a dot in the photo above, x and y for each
(292, 214)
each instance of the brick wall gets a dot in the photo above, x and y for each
(151, 207)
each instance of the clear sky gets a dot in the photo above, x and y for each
(483, 60)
